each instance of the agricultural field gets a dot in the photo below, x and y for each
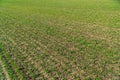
(59, 39)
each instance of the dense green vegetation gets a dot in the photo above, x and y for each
(60, 39)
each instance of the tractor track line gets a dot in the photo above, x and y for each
(4, 70)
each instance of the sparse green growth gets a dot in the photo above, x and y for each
(60, 39)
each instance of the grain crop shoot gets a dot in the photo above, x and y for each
(59, 39)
